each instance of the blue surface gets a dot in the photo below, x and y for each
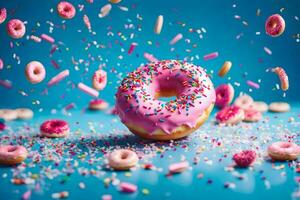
(216, 18)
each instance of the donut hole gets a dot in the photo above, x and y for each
(67, 9)
(11, 149)
(273, 24)
(124, 155)
(36, 71)
(286, 145)
(18, 27)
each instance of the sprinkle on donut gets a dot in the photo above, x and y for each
(54, 128)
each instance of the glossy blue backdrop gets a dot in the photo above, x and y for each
(217, 18)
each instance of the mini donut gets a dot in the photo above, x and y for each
(224, 95)
(284, 151)
(11, 155)
(275, 25)
(244, 101)
(54, 128)
(15, 28)
(1, 64)
(122, 159)
(260, 106)
(8, 114)
(2, 15)
(279, 107)
(115, 1)
(225, 68)
(99, 79)
(145, 115)
(252, 115)
(230, 115)
(98, 104)
(24, 113)
(244, 158)
(66, 10)
(35, 72)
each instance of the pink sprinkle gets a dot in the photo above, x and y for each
(211, 56)
(150, 57)
(6, 83)
(176, 39)
(106, 197)
(69, 106)
(55, 64)
(47, 38)
(87, 22)
(253, 84)
(88, 90)
(58, 77)
(26, 195)
(132, 47)
(35, 38)
(128, 187)
(267, 50)
(1, 64)
(178, 167)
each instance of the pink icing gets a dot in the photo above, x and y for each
(66, 10)
(35, 72)
(11, 152)
(227, 113)
(15, 28)
(224, 95)
(275, 25)
(136, 103)
(244, 158)
(251, 114)
(54, 126)
(97, 101)
(2, 15)
(284, 148)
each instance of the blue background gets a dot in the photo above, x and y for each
(249, 59)
(247, 54)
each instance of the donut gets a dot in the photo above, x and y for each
(54, 128)
(260, 106)
(11, 155)
(244, 158)
(122, 159)
(115, 1)
(8, 114)
(24, 113)
(15, 28)
(279, 107)
(98, 104)
(284, 151)
(3, 15)
(275, 25)
(230, 115)
(224, 95)
(99, 79)
(252, 115)
(1, 64)
(66, 10)
(283, 77)
(225, 68)
(35, 72)
(139, 107)
(244, 101)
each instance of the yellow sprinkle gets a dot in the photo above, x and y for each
(145, 191)
(128, 174)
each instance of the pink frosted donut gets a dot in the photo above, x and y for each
(244, 158)
(54, 128)
(15, 28)
(122, 159)
(284, 151)
(224, 95)
(230, 115)
(144, 114)
(2, 15)
(244, 102)
(11, 155)
(98, 104)
(35, 72)
(275, 25)
(99, 79)
(66, 10)
(252, 115)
